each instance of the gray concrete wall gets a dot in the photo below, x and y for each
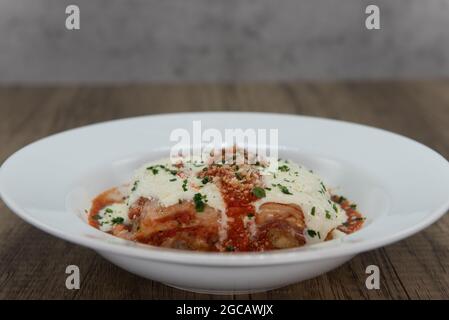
(221, 40)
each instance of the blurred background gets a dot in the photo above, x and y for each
(139, 41)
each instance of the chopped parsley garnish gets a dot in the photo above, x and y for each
(184, 185)
(198, 200)
(335, 208)
(269, 189)
(250, 215)
(96, 217)
(284, 168)
(206, 179)
(154, 169)
(230, 248)
(284, 189)
(109, 210)
(323, 186)
(171, 180)
(117, 220)
(353, 206)
(328, 215)
(136, 184)
(312, 212)
(259, 192)
(311, 233)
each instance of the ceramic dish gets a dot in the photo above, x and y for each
(400, 185)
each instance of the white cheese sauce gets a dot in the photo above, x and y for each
(112, 215)
(294, 184)
(289, 184)
(168, 184)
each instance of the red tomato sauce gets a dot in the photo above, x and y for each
(189, 233)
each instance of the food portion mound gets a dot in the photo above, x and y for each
(224, 207)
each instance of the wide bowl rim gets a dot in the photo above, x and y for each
(287, 256)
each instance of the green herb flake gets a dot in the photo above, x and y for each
(284, 189)
(136, 184)
(184, 185)
(353, 206)
(206, 179)
(284, 168)
(154, 169)
(198, 200)
(172, 180)
(117, 220)
(323, 186)
(311, 233)
(230, 248)
(109, 210)
(259, 192)
(312, 212)
(335, 207)
(328, 215)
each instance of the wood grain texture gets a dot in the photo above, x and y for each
(32, 263)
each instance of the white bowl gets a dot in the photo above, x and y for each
(400, 185)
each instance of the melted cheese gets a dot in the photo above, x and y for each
(289, 184)
(114, 214)
(158, 180)
(294, 184)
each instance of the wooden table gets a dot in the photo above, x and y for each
(32, 263)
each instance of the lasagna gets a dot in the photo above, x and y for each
(224, 206)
